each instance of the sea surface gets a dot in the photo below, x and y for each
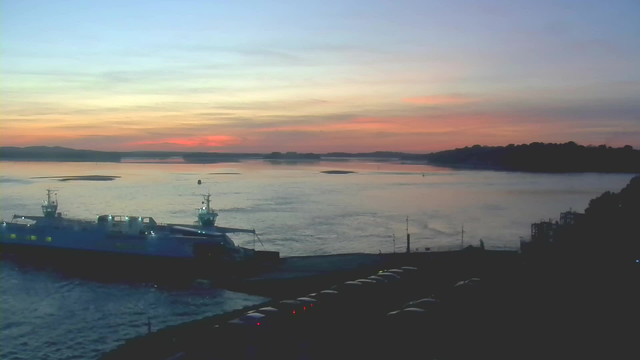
(295, 208)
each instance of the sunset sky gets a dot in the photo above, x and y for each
(318, 76)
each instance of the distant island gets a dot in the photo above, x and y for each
(539, 157)
(216, 157)
(533, 157)
(80, 177)
(292, 155)
(56, 153)
(337, 172)
(369, 155)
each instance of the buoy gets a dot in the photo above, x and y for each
(199, 182)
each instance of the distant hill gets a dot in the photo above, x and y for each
(209, 157)
(292, 155)
(152, 154)
(375, 154)
(534, 157)
(540, 157)
(56, 153)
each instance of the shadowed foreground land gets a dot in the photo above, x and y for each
(522, 310)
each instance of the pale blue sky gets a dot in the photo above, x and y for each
(265, 75)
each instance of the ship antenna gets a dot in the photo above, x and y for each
(207, 198)
(49, 193)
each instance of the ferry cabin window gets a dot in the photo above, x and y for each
(103, 219)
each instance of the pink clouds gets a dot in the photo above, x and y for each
(202, 141)
(359, 124)
(409, 128)
(437, 100)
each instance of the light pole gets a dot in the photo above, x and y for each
(394, 243)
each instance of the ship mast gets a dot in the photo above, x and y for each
(50, 206)
(206, 216)
(49, 193)
(207, 198)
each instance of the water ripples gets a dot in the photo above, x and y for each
(295, 209)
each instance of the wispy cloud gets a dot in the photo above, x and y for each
(441, 100)
(202, 141)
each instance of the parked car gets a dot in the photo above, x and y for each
(378, 279)
(309, 304)
(350, 290)
(411, 273)
(271, 313)
(409, 268)
(415, 329)
(425, 304)
(325, 297)
(249, 319)
(371, 287)
(247, 335)
(293, 307)
(408, 315)
(390, 277)
(396, 271)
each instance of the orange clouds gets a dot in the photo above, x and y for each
(360, 124)
(436, 100)
(394, 125)
(203, 141)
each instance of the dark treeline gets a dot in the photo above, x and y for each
(608, 230)
(208, 157)
(152, 154)
(534, 157)
(375, 154)
(56, 153)
(610, 224)
(292, 155)
(540, 157)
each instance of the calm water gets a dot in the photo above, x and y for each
(295, 208)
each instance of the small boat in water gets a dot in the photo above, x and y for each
(132, 239)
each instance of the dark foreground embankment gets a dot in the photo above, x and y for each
(299, 276)
(550, 309)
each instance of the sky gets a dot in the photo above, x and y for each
(318, 76)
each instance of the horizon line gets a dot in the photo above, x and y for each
(319, 153)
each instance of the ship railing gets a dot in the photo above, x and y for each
(78, 219)
(457, 247)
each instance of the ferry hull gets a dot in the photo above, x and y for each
(113, 265)
(94, 238)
